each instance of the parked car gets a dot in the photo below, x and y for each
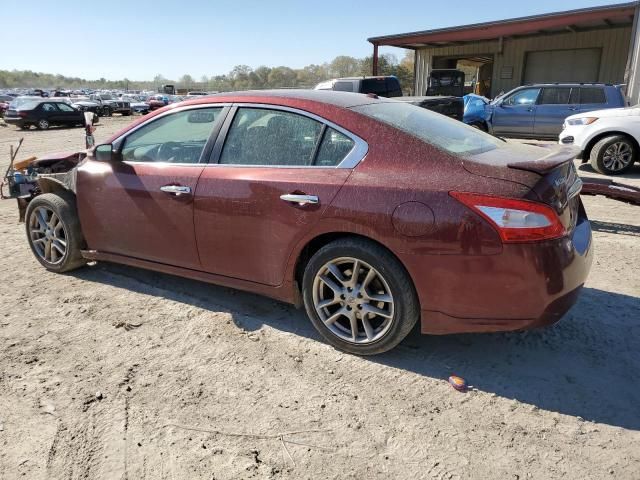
(197, 94)
(110, 104)
(450, 106)
(85, 105)
(157, 101)
(382, 86)
(609, 139)
(433, 226)
(475, 111)
(44, 113)
(137, 105)
(5, 100)
(538, 111)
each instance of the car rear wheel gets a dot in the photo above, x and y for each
(43, 124)
(359, 297)
(613, 155)
(106, 112)
(54, 233)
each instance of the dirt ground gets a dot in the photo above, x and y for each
(111, 372)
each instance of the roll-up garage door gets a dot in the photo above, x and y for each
(549, 66)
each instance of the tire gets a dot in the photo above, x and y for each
(43, 229)
(43, 124)
(395, 297)
(106, 112)
(126, 114)
(613, 155)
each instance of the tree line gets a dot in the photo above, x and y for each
(241, 77)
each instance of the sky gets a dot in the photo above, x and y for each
(138, 39)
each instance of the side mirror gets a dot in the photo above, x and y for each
(103, 153)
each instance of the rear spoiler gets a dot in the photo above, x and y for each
(547, 163)
(610, 189)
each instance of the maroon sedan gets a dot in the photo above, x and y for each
(372, 213)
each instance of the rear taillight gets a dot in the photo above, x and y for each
(515, 220)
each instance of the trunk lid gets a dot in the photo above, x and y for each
(548, 172)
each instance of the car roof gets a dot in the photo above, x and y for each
(331, 97)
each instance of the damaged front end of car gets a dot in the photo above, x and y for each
(26, 179)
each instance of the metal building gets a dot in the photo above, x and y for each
(597, 44)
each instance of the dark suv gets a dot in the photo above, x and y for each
(43, 113)
(382, 86)
(538, 111)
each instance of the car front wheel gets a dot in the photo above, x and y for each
(613, 155)
(359, 297)
(53, 231)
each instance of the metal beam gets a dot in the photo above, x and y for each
(375, 60)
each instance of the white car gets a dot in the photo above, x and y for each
(609, 139)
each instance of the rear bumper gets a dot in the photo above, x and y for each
(525, 286)
(14, 121)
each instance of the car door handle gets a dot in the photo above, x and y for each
(176, 190)
(300, 199)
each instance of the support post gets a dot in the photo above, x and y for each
(375, 60)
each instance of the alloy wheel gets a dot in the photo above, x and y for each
(353, 300)
(47, 235)
(43, 124)
(617, 156)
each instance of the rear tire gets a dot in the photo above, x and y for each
(43, 124)
(613, 155)
(53, 231)
(383, 308)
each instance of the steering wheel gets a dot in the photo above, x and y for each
(165, 151)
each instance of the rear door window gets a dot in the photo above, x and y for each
(265, 137)
(554, 96)
(49, 108)
(592, 95)
(334, 147)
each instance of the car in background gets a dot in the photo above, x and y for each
(383, 86)
(539, 111)
(5, 100)
(197, 94)
(609, 139)
(137, 104)
(44, 113)
(110, 104)
(157, 101)
(445, 105)
(362, 241)
(475, 111)
(85, 105)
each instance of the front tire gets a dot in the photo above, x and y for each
(359, 297)
(613, 155)
(53, 231)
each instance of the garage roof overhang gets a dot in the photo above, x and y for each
(584, 19)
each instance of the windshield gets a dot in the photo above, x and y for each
(443, 132)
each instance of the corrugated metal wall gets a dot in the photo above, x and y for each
(614, 43)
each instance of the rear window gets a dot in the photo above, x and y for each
(442, 132)
(374, 85)
(592, 95)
